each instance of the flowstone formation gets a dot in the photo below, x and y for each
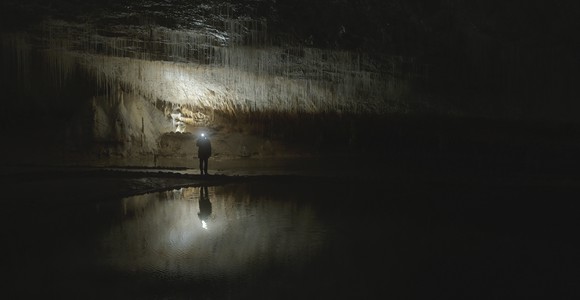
(147, 71)
(284, 71)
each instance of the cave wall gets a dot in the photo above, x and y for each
(103, 80)
(114, 112)
(130, 122)
(500, 59)
(192, 70)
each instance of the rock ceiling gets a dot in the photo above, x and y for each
(379, 54)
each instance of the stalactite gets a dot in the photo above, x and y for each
(224, 70)
(17, 50)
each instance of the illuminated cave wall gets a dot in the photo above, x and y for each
(131, 80)
(101, 81)
(200, 69)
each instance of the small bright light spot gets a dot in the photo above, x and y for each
(203, 224)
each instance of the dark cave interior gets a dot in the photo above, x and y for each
(340, 77)
(437, 141)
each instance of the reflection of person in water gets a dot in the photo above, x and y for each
(204, 206)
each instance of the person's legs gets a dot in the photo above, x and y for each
(205, 161)
(201, 166)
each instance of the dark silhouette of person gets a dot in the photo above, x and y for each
(203, 152)
(204, 206)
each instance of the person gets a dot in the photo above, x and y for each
(203, 153)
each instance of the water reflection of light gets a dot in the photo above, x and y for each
(162, 233)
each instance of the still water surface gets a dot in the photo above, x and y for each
(209, 232)
(289, 240)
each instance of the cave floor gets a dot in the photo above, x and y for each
(457, 228)
(406, 169)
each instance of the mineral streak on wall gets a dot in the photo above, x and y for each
(110, 91)
(211, 69)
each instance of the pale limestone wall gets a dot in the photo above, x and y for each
(128, 117)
